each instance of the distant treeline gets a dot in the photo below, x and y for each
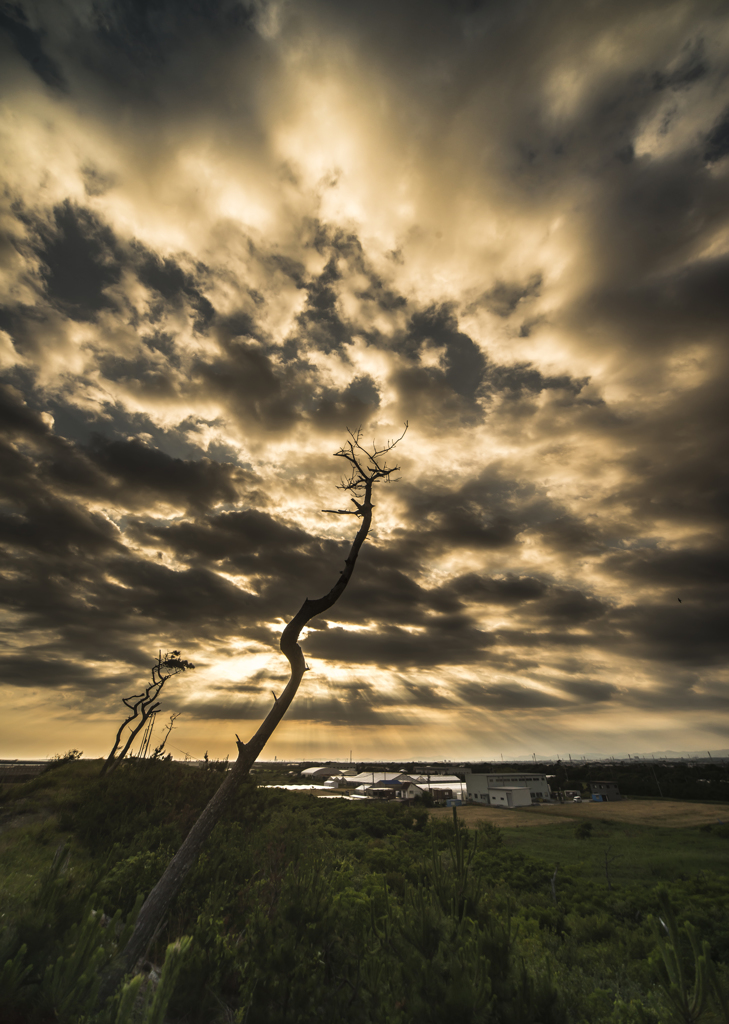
(668, 779)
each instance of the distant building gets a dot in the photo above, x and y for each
(410, 791)
(318, 773)
(387, 786)
(363, 778)
(435, 779)
(605, 791)
(510, 796)
(478, 787)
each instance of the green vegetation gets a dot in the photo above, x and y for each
(303, 910)
(638, 855)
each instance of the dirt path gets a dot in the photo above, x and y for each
(667, 813)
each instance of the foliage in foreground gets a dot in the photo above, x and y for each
(306, 910)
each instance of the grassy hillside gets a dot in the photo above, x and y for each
(303, 910)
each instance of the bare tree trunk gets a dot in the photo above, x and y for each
(110, 759)
(132, 736)
(165, 891)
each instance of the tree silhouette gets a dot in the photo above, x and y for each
(366, 468)
(145, 705)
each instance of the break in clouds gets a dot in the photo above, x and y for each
(232, 231)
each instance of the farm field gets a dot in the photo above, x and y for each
(625, 853)
(636, 842)
(666, 813)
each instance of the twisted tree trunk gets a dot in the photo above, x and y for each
(165, 891)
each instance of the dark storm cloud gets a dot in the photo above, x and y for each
(384, 593)
(246, 381)
(231, 535)
(512, 380)
(563, 605)
(464, 361)
(80, 259)
(278, 557)
(424, 392)
(353, 704)
(320, 320)
(570, 534)
(28, 42)
(717, 141)
(33, 670)
(133, 48)
(180, 597)
(138, 467)
(165, 276)
(688, 567)
(510, 591)
(665, 308)
(145, 34)
(97, 605)
(127, 471)
(504, 297)
(17, 416)
(506, 697)
(423, 695)
(680, 470)
(448, 640)
(483, 513)
(66, 569)
(356, 403)
(685, 634)
(589, 690)
(690, 66)
(52, 525)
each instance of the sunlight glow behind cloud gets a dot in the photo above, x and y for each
(231, 234)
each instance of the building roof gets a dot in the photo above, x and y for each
(435, 778)
(373, 777)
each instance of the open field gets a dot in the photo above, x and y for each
(631, 841)
(624, 853)
(663, 813)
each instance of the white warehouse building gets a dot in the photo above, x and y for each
(500, 790)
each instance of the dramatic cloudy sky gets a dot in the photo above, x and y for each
(233, 229)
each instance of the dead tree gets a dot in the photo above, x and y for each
(146, 737)
(144, 706)
(366, 468)
(159, 749)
